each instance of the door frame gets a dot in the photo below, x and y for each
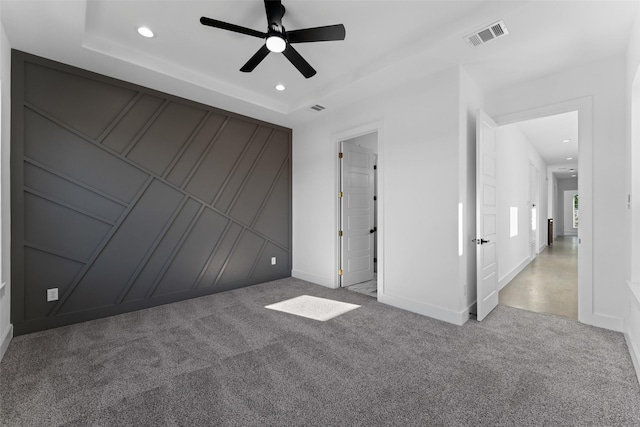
(347, 148)
(534, 202)
(584, 106)
(337, 138)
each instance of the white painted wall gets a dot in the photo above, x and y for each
(564, 184)
(603, 83)
(418, 175)
(5, 228)
(514, 156)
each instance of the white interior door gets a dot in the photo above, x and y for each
(486, 216)
(356, 214)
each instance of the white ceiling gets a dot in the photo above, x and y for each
(547, 134)
(387, 42)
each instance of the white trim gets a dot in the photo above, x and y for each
(635, 290)
(634, 351)
(456, 317)
(4, 344)
(318, 280)
(504, 280)
(584, 106)
(602, 321)
(633, 341)
(337, 138)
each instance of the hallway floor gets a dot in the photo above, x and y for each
(549, 284)
(369, 288)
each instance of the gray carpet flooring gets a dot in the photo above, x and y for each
(226, 360)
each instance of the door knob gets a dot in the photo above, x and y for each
(480, 241)
(373, 230)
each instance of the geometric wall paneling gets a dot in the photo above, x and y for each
(167, 134)
(125, 198)
(218, 160)
(193, 152)
(270, 222)
(126, 129)
(60, 230)
(242, 258)
(39, 181)
(142, 285)
(119, 257)
(261, 178)
(242, 169)
(46, 89)
(186, 266)
(58, 148)
(44, 270)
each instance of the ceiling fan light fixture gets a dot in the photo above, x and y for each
(276, 44)
(145, 32)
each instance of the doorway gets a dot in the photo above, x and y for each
(358, 214)
(543, 278)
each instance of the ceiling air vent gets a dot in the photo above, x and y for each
(317, 107)
(486, 34)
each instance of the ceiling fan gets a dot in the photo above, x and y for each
(278, 40)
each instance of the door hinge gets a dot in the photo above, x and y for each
(340, 194)
(340, 233)
(340, 272)
(340, 155)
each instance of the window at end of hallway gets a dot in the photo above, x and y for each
(575, 211)
(513, 221)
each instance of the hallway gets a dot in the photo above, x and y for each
(549, 284)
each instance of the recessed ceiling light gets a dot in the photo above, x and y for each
(566, 140)
(145, 32)
(569, 158)
(574, 176)
(280, 87)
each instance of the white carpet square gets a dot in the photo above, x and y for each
(313, 307)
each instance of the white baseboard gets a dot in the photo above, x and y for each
(456, 317)
(504, 281)
(6, 339)
(632, 326)
(603, 321)
(318, 280)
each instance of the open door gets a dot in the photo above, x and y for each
(486, 215)
(357, 231)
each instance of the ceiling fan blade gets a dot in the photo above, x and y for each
(299, 62)
(255, 60)
(231, 27)
(317, 34)
(274, 12)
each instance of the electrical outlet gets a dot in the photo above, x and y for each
(273, 260)
(52, 294)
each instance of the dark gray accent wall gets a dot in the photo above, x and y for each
(125, 198)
